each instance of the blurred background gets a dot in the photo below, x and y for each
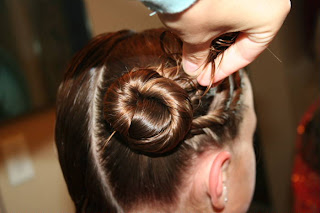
(38, 39)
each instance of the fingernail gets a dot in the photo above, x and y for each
(218, 76)
(190, 68)
(204, 78)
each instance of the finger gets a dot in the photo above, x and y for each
(204, 77)
(244, 51)
(194, 57)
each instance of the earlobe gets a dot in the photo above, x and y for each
(217, 178)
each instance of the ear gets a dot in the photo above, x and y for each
(217, 177)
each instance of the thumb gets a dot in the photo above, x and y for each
(194, 57)
(244, 51)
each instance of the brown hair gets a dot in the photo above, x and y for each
(130, 121)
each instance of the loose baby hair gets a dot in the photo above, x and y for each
(130, 121)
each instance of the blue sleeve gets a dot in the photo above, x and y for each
(168, 6)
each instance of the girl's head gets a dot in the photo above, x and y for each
(135, 133)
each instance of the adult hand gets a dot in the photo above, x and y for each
(258, 21)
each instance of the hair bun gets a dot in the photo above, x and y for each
(151, 112)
